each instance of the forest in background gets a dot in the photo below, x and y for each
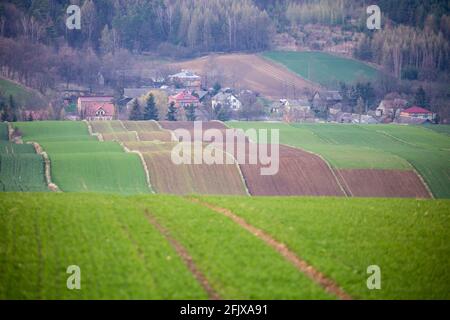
(37, 49)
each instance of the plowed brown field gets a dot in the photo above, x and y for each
(300, 173)
(249, 71)
(382, 183)
(167, 177)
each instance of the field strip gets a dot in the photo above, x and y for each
(328, 284)
(350, 193)
(47, 166)
(92, 133)
(427, 187)
(172, 134)
(328, 165)
(280, 65)
(238, 168)
(185, 256)
(144, 165)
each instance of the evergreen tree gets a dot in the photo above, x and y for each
(190, 112)
(223, 113)
(421, 99)
(135, 113)
(172, 112)
(150, 110)
(12, 110)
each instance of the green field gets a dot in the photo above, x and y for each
(122, 255)
(323, 68)
(81, 163)
(372, 147)
(22, 96)
(406, 238)
(21, 169)
(3, 131)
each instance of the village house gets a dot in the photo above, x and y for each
(226, 99)
(96, 108)
(417, 115)
(184, 99)
(390, 107)
(298, 110)
(187, 79)
(324, 100)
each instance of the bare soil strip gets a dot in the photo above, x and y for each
(328, 284)
(184, 254)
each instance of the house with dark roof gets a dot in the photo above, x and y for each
(96, 108)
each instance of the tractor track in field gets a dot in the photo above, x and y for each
(315, 275)
(185, 256)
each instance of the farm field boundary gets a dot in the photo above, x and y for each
(329, 285)
(184, 255)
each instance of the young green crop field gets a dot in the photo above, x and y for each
(21, 169)
(81, 163)
(407, 239)
(372, 147)
(323, 68)
(122, 254)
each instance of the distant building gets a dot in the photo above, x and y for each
(226, 99)
(184, 99)
(390, 107)
(321, 101)
(296, 110)
(187, 79)
(421, 114)
(96, 108)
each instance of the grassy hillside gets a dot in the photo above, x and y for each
(80, 163)
(373, 147)
(122, 255)
(323, 68)
(22, 96)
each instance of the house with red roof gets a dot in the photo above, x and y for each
(184, 99)
(418, 113)
(96, 108)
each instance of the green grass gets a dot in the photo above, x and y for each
(408, 239)
(81, 147)
(22, 96)
(440, 128)
(372, 147)
(21, 169)
(4, 131)
(12, 148)
(54, 131)
(323, 68)
(81, 164)
(120, 254)
(109, 172)
(237, 265)
(22, 172)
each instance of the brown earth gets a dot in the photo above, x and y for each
(249, 71)
(300, 173)
(183, 179)
(381, 183)
(189, 125)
